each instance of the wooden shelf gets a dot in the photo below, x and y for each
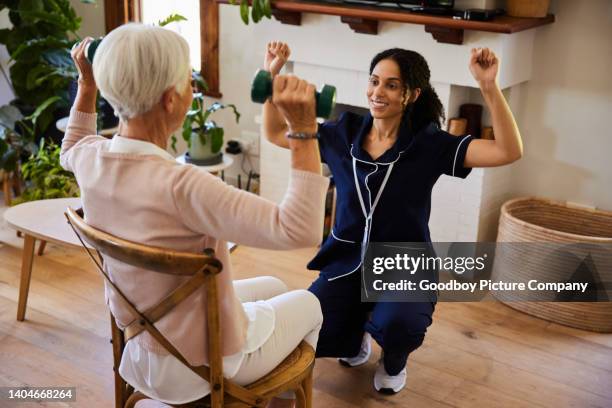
(365, 20)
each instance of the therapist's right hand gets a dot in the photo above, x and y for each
(277, 54)
(295, 99)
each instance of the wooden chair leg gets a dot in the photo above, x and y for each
(307, 386)
(134, 398)
(300, 397)
(26, 274)
(16, 183)
(122, 391)
(6, 188)
(41, 247)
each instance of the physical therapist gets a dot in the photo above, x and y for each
(385, 165)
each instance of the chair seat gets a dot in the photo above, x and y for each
(290, 371)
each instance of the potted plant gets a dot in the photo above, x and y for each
(204, 137)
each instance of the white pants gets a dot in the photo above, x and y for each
(298, 317)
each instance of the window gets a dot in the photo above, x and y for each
(154, 11)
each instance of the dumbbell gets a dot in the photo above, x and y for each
(261, 90)
(90, 49)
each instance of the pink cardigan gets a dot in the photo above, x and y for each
(147, 199)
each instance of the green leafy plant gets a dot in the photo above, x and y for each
(45, 177)
(197, 119)
(259, 9)
(18, 133)
(39, 45)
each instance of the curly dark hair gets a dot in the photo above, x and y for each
(415, 74)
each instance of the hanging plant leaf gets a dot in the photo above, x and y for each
(244, 11)
(256, 11)
(267, 8)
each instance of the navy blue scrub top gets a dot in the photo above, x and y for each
(407, 172)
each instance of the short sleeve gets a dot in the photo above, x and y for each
(326, 131)
(453, 150)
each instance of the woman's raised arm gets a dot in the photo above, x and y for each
(507, 146)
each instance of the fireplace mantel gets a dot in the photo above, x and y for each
(361, 19)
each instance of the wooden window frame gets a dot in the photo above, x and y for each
(118, 12)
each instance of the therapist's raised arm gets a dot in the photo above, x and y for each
(273, 125)
(507, 146)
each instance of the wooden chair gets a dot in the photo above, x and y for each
(294, 373)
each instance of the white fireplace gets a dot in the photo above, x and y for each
(327, 51)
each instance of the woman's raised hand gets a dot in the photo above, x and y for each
(86, 77)
(277, 54)
(484, 66)
(295, 99)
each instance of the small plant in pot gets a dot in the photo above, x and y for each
(204, 137)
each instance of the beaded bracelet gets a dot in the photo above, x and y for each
(301, 135)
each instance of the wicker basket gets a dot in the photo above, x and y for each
(539, 220)
(527, 8)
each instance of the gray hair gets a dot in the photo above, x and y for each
(136, 63)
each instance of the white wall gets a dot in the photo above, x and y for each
(564, 112)
(93, 24)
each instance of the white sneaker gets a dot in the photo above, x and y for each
(363, 356)
(388, 384)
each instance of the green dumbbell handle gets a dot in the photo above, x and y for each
(91, 48)
(261, 90)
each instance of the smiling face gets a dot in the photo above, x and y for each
(386, 92)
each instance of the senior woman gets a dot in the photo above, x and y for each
(131, 187)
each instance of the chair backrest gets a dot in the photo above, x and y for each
(203, 269)
(142, 256)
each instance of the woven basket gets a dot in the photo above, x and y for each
(540, 220)
(527, 8)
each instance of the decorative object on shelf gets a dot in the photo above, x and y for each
(527, 8)
(473, 113)
(203, 136)
(540, 220)
(487, 133)
(457, 126)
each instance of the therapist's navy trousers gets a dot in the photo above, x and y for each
(398, 327)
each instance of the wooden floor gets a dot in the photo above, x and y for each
(475, 354)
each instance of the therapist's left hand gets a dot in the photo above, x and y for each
(484, 66)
